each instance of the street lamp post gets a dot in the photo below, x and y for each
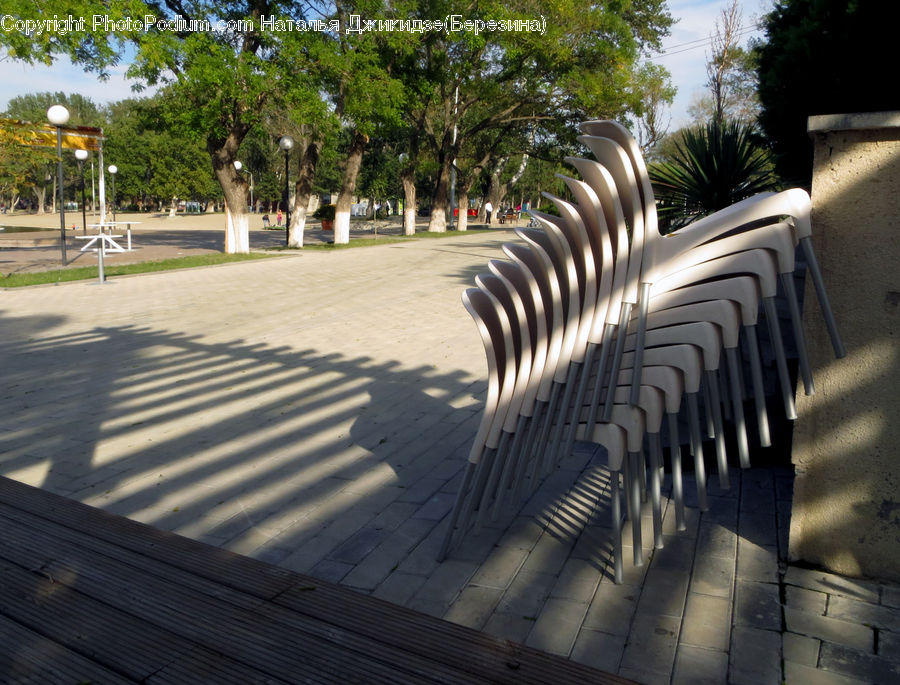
(112, 170)
(286, 143)
(82, 155)
(59, 116)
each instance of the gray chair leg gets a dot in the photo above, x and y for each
(759, 391)
(787, 393)
(824, 304)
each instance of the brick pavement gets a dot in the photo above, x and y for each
(315, 411)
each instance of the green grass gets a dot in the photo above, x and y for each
(27, 229)
(90, 272)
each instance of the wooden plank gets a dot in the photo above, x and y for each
(501, 661)
(242, 573)
(262, 641)
(28, 657)
(87, 542)
(388, 635)
(112, 639)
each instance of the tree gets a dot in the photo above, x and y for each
(654, 93)
(35, 168)
(578, 66)
(713, 166)
(822, 57)
(157, 165)
(220, 79)
(730, 73)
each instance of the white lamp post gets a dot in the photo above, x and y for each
(59, 117)
(286, 143)
(82, 155)
(112, 170)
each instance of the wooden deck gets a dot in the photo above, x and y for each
(87, 596)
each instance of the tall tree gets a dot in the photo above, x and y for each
(217, 60)
(730, 73)
(574, 63)
(822, 57)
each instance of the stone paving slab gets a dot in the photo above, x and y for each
(316, 411)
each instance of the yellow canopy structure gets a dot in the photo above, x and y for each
(44, 135)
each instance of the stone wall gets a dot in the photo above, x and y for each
(846, 508)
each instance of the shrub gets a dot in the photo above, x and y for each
(325, 212)
(713, 166)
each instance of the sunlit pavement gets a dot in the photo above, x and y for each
(315, 411)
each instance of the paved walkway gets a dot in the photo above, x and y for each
(315, 411)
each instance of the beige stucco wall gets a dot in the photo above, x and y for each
(846, 509)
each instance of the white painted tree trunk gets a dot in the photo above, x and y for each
(409, 219)
(341, 227)
(438, 221)
(462, 219)
(409, 205)
(298, 225)
(237, 232)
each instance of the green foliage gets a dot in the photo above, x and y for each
(325, 212)
(155, 163)
(712, 166)
(823, 57)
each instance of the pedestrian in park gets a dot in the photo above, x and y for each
(266, 222)
(488, 210)
(278, 218)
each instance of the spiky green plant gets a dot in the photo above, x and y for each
(713, 166)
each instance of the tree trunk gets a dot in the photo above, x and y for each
(173, 208)
(40, 194)
(409, 204)
(237, 218)
(462, 221)
(302, 190)
(348, 185)
(438, 221)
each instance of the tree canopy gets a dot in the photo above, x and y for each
(822, 57)
(443, 89)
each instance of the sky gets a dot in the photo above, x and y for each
(684, 54)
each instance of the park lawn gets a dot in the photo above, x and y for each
(89, 272)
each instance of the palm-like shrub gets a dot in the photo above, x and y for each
(713, 166)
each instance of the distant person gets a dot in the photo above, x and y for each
(488, 210)
(278, 218)
(266, 222)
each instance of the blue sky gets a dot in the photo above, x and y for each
(685, 53)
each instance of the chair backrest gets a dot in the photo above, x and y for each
(521, 298)
(494, 327)
(742, 290)
(573, 230)
(616, 162)
(722, 313)
(548, 300)
(702, 335)
(592, 215)
(759, 263)
(560, 268)
(603, 185)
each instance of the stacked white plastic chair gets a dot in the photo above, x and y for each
(599, 328)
